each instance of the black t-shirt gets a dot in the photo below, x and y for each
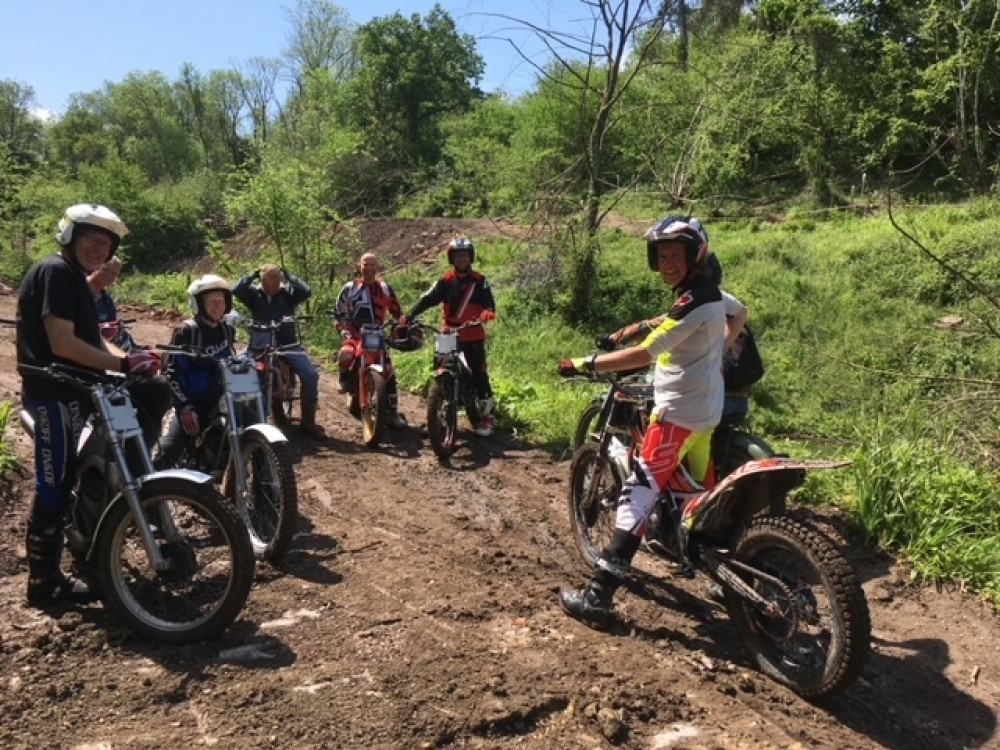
(52, 287)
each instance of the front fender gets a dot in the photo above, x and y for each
(189, 475)
(443, 375)
(147, 483)
(268, 431)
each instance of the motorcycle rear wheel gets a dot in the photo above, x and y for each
(594, 487)
(442, 419)
(819, 642)
(211, 571)
(375, 413)
(271, 511)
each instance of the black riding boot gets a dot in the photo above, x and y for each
(592, 605)
(278, 412)
(47, 585)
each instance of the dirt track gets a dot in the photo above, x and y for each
(417, 610)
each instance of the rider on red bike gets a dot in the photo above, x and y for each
(365, 301)
(688, 391)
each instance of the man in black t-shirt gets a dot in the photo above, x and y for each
(57, 322)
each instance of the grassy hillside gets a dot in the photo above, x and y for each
(875, 353)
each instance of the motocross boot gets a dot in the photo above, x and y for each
(278, 410)
(487, 422)
(396, 420)
(47, 585)
(591, 605)
(308, 425)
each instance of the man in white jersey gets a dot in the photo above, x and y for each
(688, 390)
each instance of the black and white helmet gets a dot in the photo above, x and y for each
(678, 228)
(93, 215)
(208, 283)
(461, 243)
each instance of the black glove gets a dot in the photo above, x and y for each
(607, 343)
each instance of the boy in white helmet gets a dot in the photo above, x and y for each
(196, 382)
(57, 322)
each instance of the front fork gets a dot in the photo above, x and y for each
(118, 473)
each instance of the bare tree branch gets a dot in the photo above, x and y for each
(949, 268)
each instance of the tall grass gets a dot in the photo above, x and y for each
(8, 459)
(941, 515)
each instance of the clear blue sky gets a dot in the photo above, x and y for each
(62, 47)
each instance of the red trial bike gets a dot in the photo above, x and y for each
(789, 591)
(369, 375)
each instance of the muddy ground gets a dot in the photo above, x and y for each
(417, 609)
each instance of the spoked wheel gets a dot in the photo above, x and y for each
(375, 413)
(816, 636)
(586, 425)
(594, 487)
(210, 563)
(442, 419)
(271, 509)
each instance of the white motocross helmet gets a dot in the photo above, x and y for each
(208, 283)
(94, 215)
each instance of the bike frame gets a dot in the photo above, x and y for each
(263, 347)
(115, 424)
(449, 362)
(371, 356)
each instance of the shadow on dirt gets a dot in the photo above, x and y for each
(900, 702)
(905, 702)
(307, 558)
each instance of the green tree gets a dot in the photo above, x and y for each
(320, 39)
(20, 127)
(413, 72)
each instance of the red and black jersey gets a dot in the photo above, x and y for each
(361, 304)
(463, 298)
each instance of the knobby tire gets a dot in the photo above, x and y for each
(271, 512)
(375, 413)
(213, 569)
(594, 487)
(442, 419)
(820, 644)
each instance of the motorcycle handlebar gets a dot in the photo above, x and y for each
(76, 377)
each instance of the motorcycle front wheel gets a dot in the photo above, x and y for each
(586, 425)
(210, 569)
(816, 636)
(375, 412)
(594, 487)
(442, 419)
(270, 510)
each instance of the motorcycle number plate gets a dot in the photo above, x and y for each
(445, 343)
(123, 419)
(244, 382)
(371, 339)
(261, 339)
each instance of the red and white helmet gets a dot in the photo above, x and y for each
(678, 228)
(93, 215)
